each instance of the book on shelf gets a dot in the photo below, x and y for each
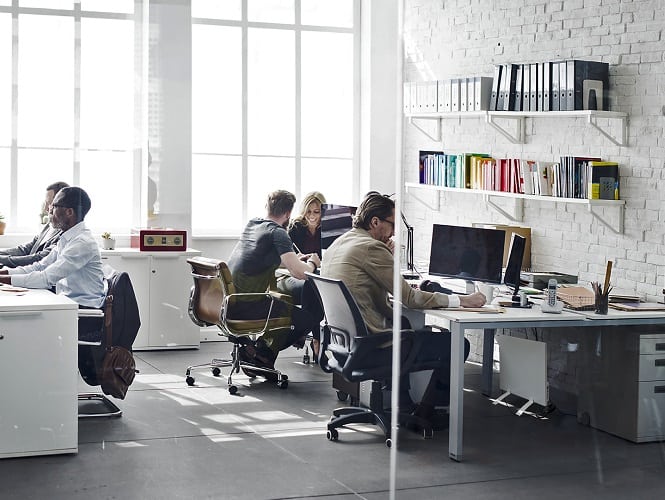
(603, 180)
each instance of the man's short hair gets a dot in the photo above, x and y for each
(56, 186)
(76, 198)
(280, 202)
(374, 205)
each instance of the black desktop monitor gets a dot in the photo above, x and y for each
(335, 221)
(514, 263)
(469, 253)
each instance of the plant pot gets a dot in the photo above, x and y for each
(108, 243)
(2, 227)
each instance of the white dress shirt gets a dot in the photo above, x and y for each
(74, 267)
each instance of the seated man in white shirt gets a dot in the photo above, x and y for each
(74, 266)
(42, 244)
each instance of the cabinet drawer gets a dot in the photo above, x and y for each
(652, 344)
(651, 411)
(652, 367)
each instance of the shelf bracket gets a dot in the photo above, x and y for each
(517, 135)
(435, 207)
(518, 212)
(437, 130)
(606, 223)
(591, 120)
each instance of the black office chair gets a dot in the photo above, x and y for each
(348, 349)
(116, 324)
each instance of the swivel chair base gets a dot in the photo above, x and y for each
(375, 415)
(100, 401)
(236, 364)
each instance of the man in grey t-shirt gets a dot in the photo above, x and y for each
(265, 245)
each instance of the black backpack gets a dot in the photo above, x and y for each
(111, 365)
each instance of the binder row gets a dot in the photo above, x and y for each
(448, 96)
(571, 177)
(569, 85)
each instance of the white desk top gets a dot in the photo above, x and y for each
(34, 300)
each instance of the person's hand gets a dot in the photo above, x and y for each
(391, 245)
(304, 256)
(314, 258)
(474, 300)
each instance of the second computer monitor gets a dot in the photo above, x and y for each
(335, 221)
(469, 253)
(514, 264)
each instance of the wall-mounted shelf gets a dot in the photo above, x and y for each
(518, 209)
(510, 124)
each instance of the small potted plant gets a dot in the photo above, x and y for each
(108, 243)
(3, 224)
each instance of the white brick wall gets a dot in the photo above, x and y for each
(446, 39)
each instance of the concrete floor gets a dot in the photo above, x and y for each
(175, 441)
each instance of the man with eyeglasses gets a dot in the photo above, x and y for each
(74, 266)
(42, 244)
(363, 260)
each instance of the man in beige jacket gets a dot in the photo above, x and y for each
(363, 260)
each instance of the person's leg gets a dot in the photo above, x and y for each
(435, 347)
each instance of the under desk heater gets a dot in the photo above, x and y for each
(523, 370)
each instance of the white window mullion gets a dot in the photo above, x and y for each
(244, 125)
(77, 93)
(13, 177)
(298, 107)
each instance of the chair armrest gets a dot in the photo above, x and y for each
(90, 313)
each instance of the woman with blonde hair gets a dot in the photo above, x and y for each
(305, 229)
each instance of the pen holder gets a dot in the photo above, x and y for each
(602, 302)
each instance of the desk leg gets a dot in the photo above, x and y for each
(456, 391)
(488, 362)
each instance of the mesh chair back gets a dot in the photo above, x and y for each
(342, 315)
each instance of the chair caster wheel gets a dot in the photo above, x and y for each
(342, 396)
(190, 381)
(283, 384)
(389, 442)
(305, 359)
(428, 433)
(332, 435)
(233, 390)
(216, 371)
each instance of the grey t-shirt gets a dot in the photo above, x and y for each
(257, 255)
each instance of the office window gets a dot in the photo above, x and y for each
(275, 97)
(75, 111)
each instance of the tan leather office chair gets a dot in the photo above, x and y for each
(211, 301)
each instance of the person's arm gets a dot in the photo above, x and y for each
(54, 267)
(24, 260)
(15, 251)
(298, 267)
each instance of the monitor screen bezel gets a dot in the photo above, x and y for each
(514, 262)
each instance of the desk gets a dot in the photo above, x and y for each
(38, 374)
(513, 318)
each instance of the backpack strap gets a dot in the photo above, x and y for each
(108, 318)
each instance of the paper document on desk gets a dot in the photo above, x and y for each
(10, 288)
(487, 309)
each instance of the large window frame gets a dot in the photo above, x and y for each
(248, 205)
(76, 150)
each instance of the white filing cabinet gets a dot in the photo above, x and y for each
(622, 384)
(162, 282)
(38, 374)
